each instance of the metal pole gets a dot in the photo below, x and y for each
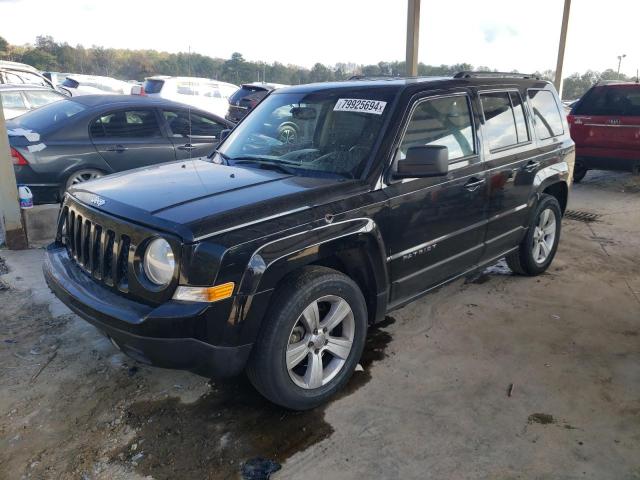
(563, 41)
(15, 236)
(413, 32)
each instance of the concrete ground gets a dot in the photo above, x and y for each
(496, 377)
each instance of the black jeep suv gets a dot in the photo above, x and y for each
(274, 257)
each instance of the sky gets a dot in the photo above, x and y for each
(502, 34)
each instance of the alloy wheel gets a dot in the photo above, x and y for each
(320, 342)
(544, 236)
(83, 176)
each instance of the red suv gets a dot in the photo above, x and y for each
(605, 125)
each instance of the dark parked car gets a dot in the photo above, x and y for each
(275, 257)
(246, 98)
(83, 138)
(605, 124)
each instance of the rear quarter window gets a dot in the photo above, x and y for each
(546, 114)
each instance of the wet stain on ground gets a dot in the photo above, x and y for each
(541, 418)
(215, 436)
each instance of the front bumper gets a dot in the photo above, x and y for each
(136, 328)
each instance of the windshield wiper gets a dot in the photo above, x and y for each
(267, 163)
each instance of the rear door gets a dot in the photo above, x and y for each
(510, 170)
(193, 135)
(131, 138)
(606, 124)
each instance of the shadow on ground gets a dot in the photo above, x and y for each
(214, 436)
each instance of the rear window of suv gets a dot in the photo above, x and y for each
(153, 86)
(245, 91)
(619, 100)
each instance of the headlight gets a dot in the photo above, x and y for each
(159, 263)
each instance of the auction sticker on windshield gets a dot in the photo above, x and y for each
(359, 105)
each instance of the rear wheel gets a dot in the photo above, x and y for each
(579, 171)
(82, 176)
(311, 339)
(537, 249)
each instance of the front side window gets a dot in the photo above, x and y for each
(441, 121)
(127, 124)
(185, 124)
(329, 133)
(546, 114)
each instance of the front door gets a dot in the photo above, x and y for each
(129, 139)
(435, 227)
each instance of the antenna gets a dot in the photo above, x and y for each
(189, 105)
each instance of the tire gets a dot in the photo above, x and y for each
(286, 337)
(579, 171)
(81, 176)
(288, 134)
(525, 260)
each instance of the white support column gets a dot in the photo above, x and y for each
(10, 216)
(561, 46)
(413, 34)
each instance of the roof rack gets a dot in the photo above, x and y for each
(373, 77)
(472, 74)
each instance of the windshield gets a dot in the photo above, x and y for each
(326, 133)
(49, 116)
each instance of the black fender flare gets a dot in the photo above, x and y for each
(359, 237)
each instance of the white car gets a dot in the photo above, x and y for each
(203, 93)
(19, 99)
(95, 85)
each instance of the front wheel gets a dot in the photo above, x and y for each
(311, 339)
(539, 246)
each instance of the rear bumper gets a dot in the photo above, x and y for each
(43, 191)
(608, 159)
(127, 322)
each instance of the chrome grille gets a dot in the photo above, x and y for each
(101, 252)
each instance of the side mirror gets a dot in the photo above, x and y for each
(424, 161)
(224, 134)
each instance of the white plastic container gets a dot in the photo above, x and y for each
(25, 196)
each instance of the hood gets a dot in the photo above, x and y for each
(198, 198)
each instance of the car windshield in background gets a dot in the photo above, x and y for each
(153, 86)
(318, 134)
(623, 100)
(49, 116)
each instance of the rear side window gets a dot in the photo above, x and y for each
(441, 121)
(126, 124)
(179, 122)
(38, 98)
(546, 114)
(153, 86)
(504, 119)
(611, 100)
(13, 100)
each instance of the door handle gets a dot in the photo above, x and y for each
(116, 148)
(186, 146)
(531, 166)
(473, 184)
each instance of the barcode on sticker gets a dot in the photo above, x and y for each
(359, 105)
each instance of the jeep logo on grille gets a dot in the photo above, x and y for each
(96, 200)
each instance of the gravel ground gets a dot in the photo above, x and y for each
(495, 377)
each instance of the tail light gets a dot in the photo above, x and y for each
(17, 158)
(570, 119)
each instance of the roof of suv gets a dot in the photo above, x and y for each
(22, 86)
(403, 82)
(5, 64)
